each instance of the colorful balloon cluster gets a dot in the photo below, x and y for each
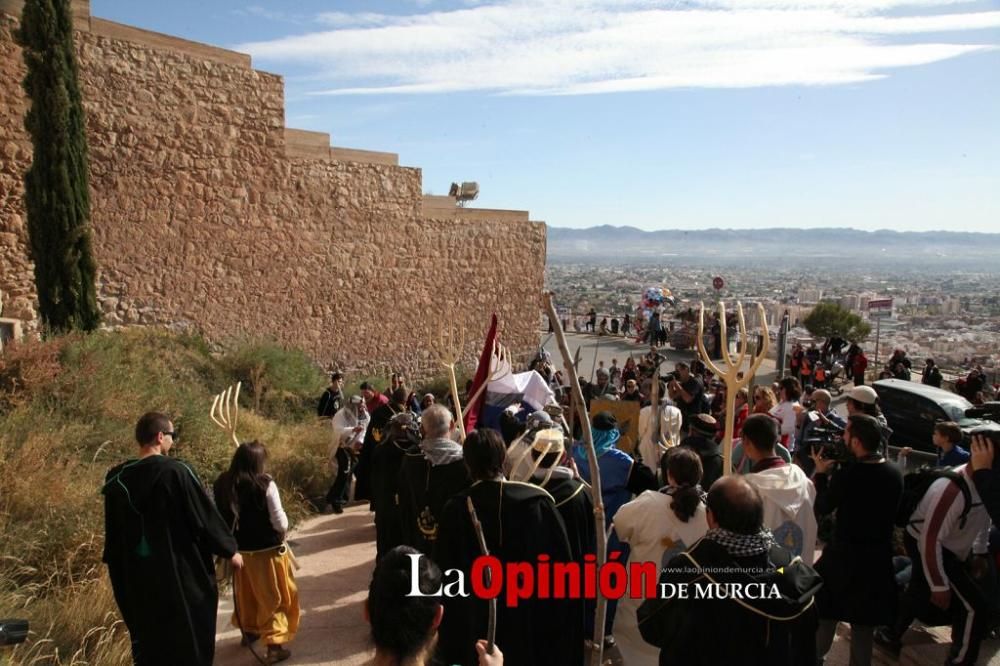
(654, 296)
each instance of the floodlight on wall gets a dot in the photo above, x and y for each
(464, 193)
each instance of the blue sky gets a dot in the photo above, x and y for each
(653, 113)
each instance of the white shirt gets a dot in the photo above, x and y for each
(279, 521)
(787, 413)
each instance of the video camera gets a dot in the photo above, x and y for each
(828, 442)
(988, 410)
(13, 632)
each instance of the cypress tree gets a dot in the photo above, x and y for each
(56, 197)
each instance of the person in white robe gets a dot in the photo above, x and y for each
(659, 524)
(788, 493)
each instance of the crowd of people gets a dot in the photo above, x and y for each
(811, 509)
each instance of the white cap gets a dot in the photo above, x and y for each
(863, 394)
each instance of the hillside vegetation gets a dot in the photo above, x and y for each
(68, 407)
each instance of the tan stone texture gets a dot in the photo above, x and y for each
(203, 222)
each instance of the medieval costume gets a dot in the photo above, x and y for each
(520, 522)
(378, 430)
(161, 531)
(429, 475)
(264, 590)
(386, 462)
(654, 534)
(788, 496)
(349, 426)
(759, 632)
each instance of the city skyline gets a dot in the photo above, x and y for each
(658, 114)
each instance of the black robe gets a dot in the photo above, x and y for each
(423, 490)
(576, 508)
(378, 431)
(161, 530)
(386, 461)
(520, 522)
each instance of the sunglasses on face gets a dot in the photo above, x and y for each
(172, 434)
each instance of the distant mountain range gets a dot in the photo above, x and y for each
(630, 245)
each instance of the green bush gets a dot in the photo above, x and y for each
(281, 382)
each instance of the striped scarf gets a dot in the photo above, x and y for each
(742, 545)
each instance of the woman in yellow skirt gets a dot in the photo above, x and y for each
(266, 599)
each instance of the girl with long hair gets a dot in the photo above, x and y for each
(266, 599)
(658, 525)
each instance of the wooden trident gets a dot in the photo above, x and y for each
(226, 410)
(731, 376)
(451, 342)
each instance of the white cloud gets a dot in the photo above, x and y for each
(559, 47)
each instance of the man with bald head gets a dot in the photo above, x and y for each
(731, 579)
(821, 415)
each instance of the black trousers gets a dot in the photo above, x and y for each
(969, 611)
(341, 484)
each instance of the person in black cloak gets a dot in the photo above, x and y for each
(404, 434)
(161, 531)
(378, 431)
(520, 522)
(429, 475)
(542, 465)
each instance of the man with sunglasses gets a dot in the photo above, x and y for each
(161, 531)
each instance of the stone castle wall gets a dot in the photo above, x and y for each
(209, 215)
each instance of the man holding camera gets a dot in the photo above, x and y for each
(860, 586)
(818, 418)
(687, 392)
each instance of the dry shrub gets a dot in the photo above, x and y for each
(75, 626)
(28, 367)
(67, 411)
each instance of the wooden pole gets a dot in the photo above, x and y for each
(595, 476)
(731, 376)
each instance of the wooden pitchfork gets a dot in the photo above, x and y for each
(226, 410)
(731, 376)
(491, 627)
(451, 343)
(500, 367)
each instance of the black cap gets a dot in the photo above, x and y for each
(604, 421)
(365, 386)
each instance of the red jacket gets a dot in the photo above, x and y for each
(860, 364)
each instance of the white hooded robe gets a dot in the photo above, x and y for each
(789, 496)
(655, 534)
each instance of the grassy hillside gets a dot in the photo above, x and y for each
(68, 407)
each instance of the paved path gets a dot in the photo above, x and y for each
(337, 555)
